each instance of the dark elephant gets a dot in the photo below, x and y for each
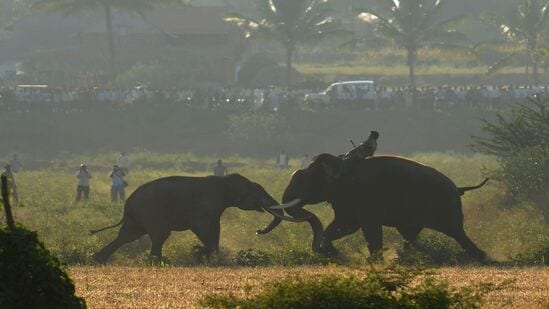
(377, 191)
(181, 203)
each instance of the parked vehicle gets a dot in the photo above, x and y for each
(348, 93)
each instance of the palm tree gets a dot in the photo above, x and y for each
(525, 27)
(74, 6)
(412, 25)
(290, 22)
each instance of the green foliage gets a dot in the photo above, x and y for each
(387, 288)
(525, 28)
(526, 174)
(522, 146)
(534, 256)
(252, 258)
(291, 23)
(31, 276)
(415, 24)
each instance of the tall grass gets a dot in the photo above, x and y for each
(47, 196)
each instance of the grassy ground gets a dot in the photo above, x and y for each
(47, 196)
(174, 287)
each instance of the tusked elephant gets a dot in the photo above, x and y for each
(181, 203)
(380, 190)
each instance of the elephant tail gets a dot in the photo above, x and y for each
(465, 189)
(106, 228)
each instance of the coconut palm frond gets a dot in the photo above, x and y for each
(511, 59)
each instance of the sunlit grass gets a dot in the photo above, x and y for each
(176, 287)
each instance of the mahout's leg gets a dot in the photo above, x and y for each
(208, 234)
(129, 231)
(373, 233)
(316, 225)
(158, 238)
(336, 230)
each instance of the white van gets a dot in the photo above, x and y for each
(342, 92)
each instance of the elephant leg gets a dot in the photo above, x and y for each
(208, 234)
(158, 238)
(410, 234)
(316, 225)
(129, 232)
(373, 233)
(336, 230)
(467, 244)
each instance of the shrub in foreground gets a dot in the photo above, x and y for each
(389, 288)
(30, 276)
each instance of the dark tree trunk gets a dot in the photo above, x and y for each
(289, 54)
(527, 63)
(535, 61)
(108, 17)
(412, 56)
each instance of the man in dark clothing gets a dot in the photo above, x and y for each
(364, 150)
(12, 187)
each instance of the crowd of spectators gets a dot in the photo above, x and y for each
(38, 97)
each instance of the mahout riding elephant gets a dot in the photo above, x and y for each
(380, 190)
(181, 203)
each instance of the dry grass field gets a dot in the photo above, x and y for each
(179, 287)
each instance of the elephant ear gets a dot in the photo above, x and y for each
(331, 166)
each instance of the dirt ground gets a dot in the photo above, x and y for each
(181, 287)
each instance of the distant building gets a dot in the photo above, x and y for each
(56, 44)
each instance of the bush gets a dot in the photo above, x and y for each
(521, 144)
(526, 175)
(536, 256)
(31, 276)
(389, 288)
(294, 256)
(252, 258)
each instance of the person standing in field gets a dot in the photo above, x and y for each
(305, 161)
(12, 187)
(123, 163)
(220, 170)
(16, 166)
(282, 161)
(83, 183)
(118, 184)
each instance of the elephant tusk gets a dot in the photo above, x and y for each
(283, 217)
(287, 205)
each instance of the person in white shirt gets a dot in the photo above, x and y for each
(83, 183)
(118, 184)
(282, 160)
(123, 163)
